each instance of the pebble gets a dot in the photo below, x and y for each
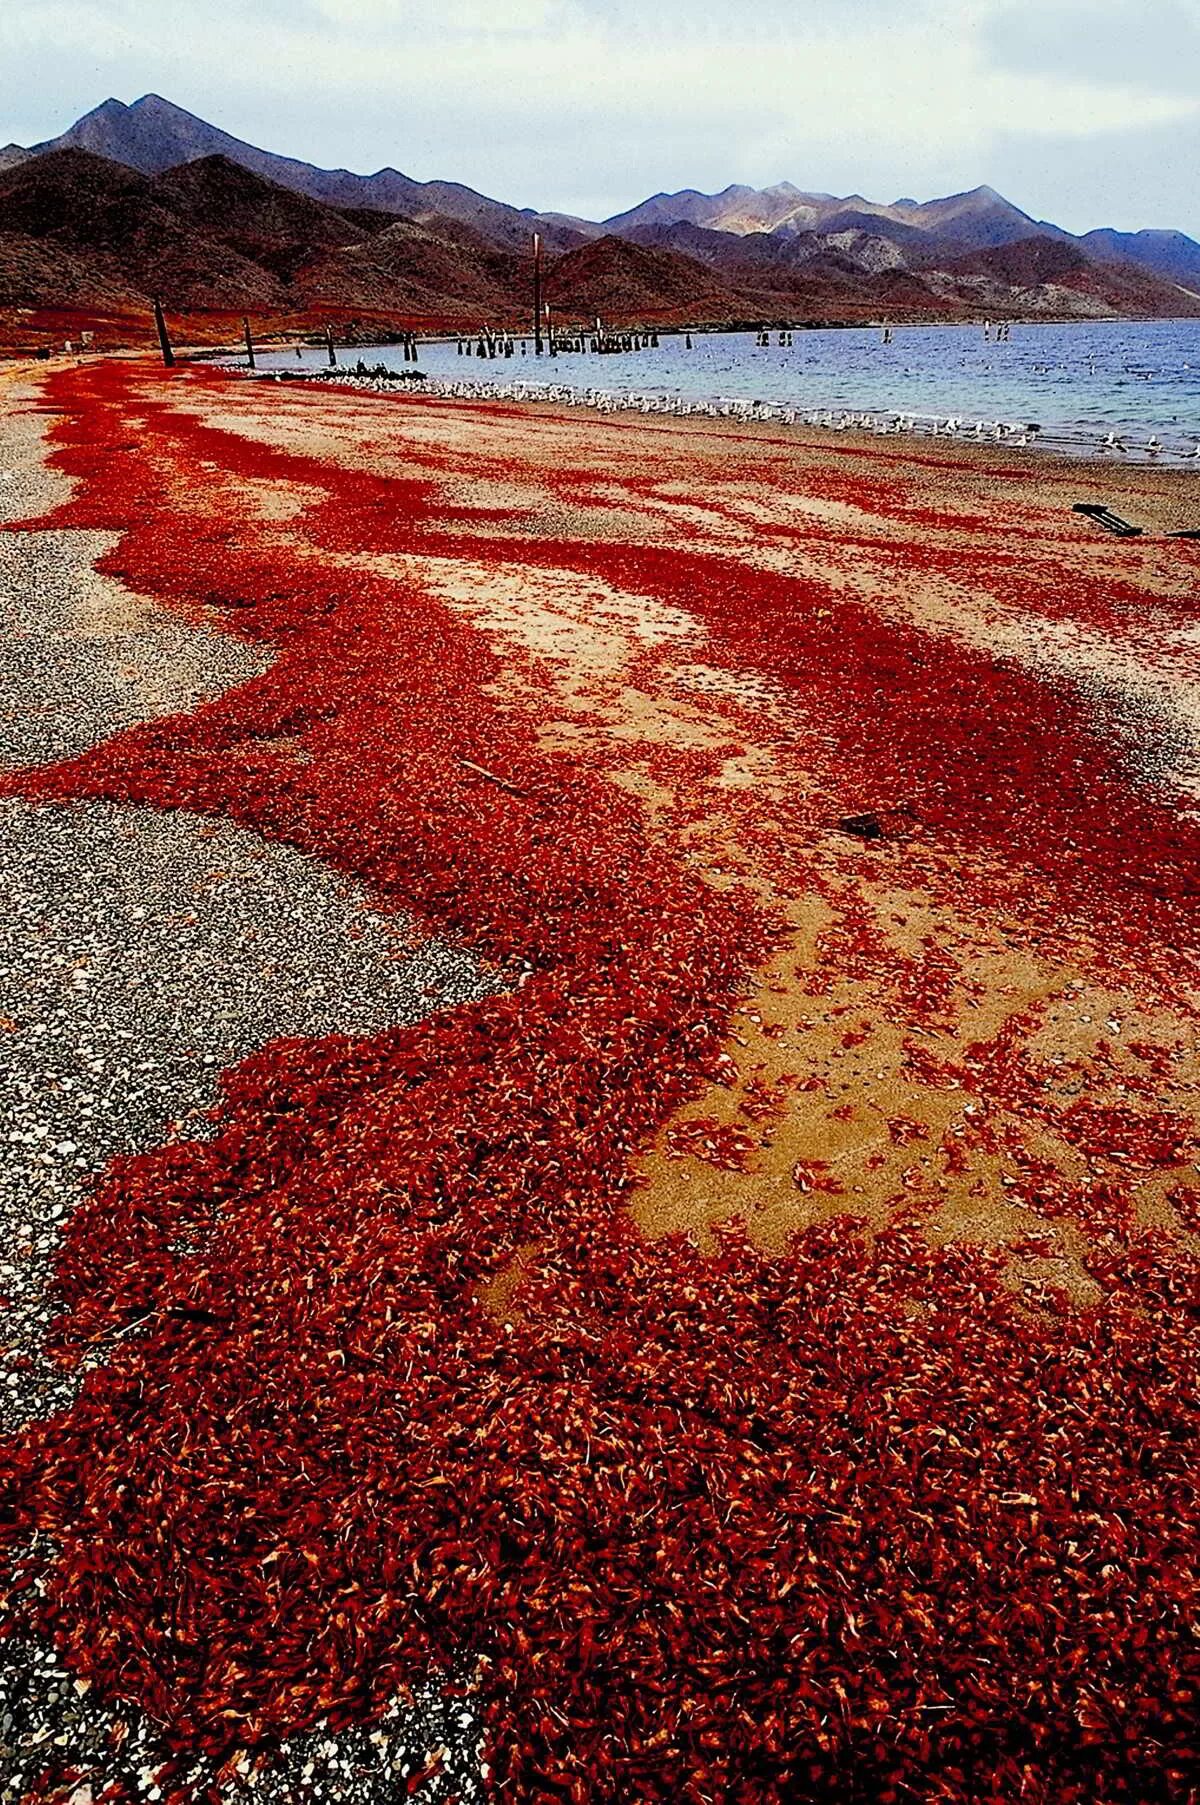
(44, 1711)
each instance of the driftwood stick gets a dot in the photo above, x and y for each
(481, 771)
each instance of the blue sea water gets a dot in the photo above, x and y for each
(1138, 381)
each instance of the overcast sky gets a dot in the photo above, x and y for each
(1086, 112)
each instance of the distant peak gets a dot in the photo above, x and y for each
(155, 103)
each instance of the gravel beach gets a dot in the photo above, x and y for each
(47, 1714)
(141, 955)
(83, 657)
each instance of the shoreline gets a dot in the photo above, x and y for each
(287, 332)
(661, 399)
(759, 423)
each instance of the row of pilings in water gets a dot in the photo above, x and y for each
(408, 349)
(598, 343)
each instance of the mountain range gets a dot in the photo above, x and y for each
(146, 199)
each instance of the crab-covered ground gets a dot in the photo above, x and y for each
(609, 1086)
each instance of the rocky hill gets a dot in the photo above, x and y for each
(154, 135)
(1171, 255)
(211, 236)
(616, 279)
(119, 231)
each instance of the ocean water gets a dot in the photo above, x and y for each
(1135, 383)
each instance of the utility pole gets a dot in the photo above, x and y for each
(164, 342)
(249, 344)
(537, 293)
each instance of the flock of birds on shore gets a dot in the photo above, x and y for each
(1117, 442)
(878, 421)
(728, 407)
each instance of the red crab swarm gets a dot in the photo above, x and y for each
(846, 1524)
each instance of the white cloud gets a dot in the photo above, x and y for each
(1151, 45)
(589, 104)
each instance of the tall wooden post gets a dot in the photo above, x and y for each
(537, 293)
(164, 342)
(329, 343)
(250, 363)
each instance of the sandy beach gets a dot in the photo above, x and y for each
(711, 1266)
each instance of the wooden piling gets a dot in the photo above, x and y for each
(537, 293)
(250, 363)
(164, 342)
